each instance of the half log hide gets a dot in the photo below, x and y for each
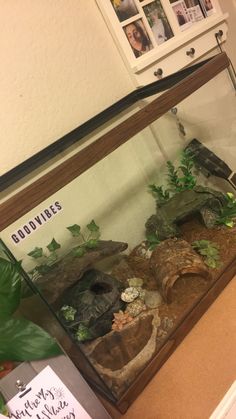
(173, 258)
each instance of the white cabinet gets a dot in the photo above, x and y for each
(158, 37)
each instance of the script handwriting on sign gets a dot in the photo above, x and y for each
(46, 397)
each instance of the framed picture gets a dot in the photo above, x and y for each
(158, 22)
(138, 37)
(124, 9)
(181, 12)
(142, 28)
(208, 7)
(194, 10)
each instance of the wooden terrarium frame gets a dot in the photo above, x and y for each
(29, 197)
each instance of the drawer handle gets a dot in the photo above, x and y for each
(219, 34)
(158, 72)
(190, 52)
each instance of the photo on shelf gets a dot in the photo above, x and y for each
(158, 22)
(194, 10)
(181, 12)
(207, 6)
(124, 9)
(138, 37)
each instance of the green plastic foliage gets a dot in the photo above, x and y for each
(36, 253)
(87, 241)
(78, 251)
(209, 251)
(159, 193)
(179, 179)
(75, 230)
(187, 180)
(92, 226)
(3, 409)
(53, 246)
(228, 212)
(152, 240)
(173, 178)
(91, 244)
(22, 340)
(83, 333)
(68, 312)
(10, 288)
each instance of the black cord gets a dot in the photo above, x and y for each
(218, 35)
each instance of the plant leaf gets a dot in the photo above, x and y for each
(92, 226)
(68, 312)
(44, 269)
(26, 291)
(83, 333)
(52, 258)
(75, 230)
(91, 244)
(152, 238)
(211, 262)
(10, 287)
(36, 253)
(229, 224)
(53, 246)
(22, 340)
(153, 246)
(78, 251)
(3, 409)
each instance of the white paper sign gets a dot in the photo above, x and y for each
(227, 407)
(46, 397)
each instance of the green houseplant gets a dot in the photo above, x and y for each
(21, 339)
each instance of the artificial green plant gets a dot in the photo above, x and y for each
(85, 241)
(228, 211)
(152, 240)
(179, 179)
(210, 252)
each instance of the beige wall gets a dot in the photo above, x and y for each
(58, 68)
(63, 73)
(114, 192)
(230, 7)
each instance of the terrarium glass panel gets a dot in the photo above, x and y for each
(124, 252)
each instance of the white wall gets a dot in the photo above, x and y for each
(58, 68)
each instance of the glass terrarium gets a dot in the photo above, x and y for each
(131, 237)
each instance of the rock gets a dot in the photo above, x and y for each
(142, 250)
(173, 258)
(71, 268)
(129, 294)
(121, 319)
(207, 202)
(135, 282)
(120, 356)
(142, 293)
(136, 307)
(152, 299)
(95, 298)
